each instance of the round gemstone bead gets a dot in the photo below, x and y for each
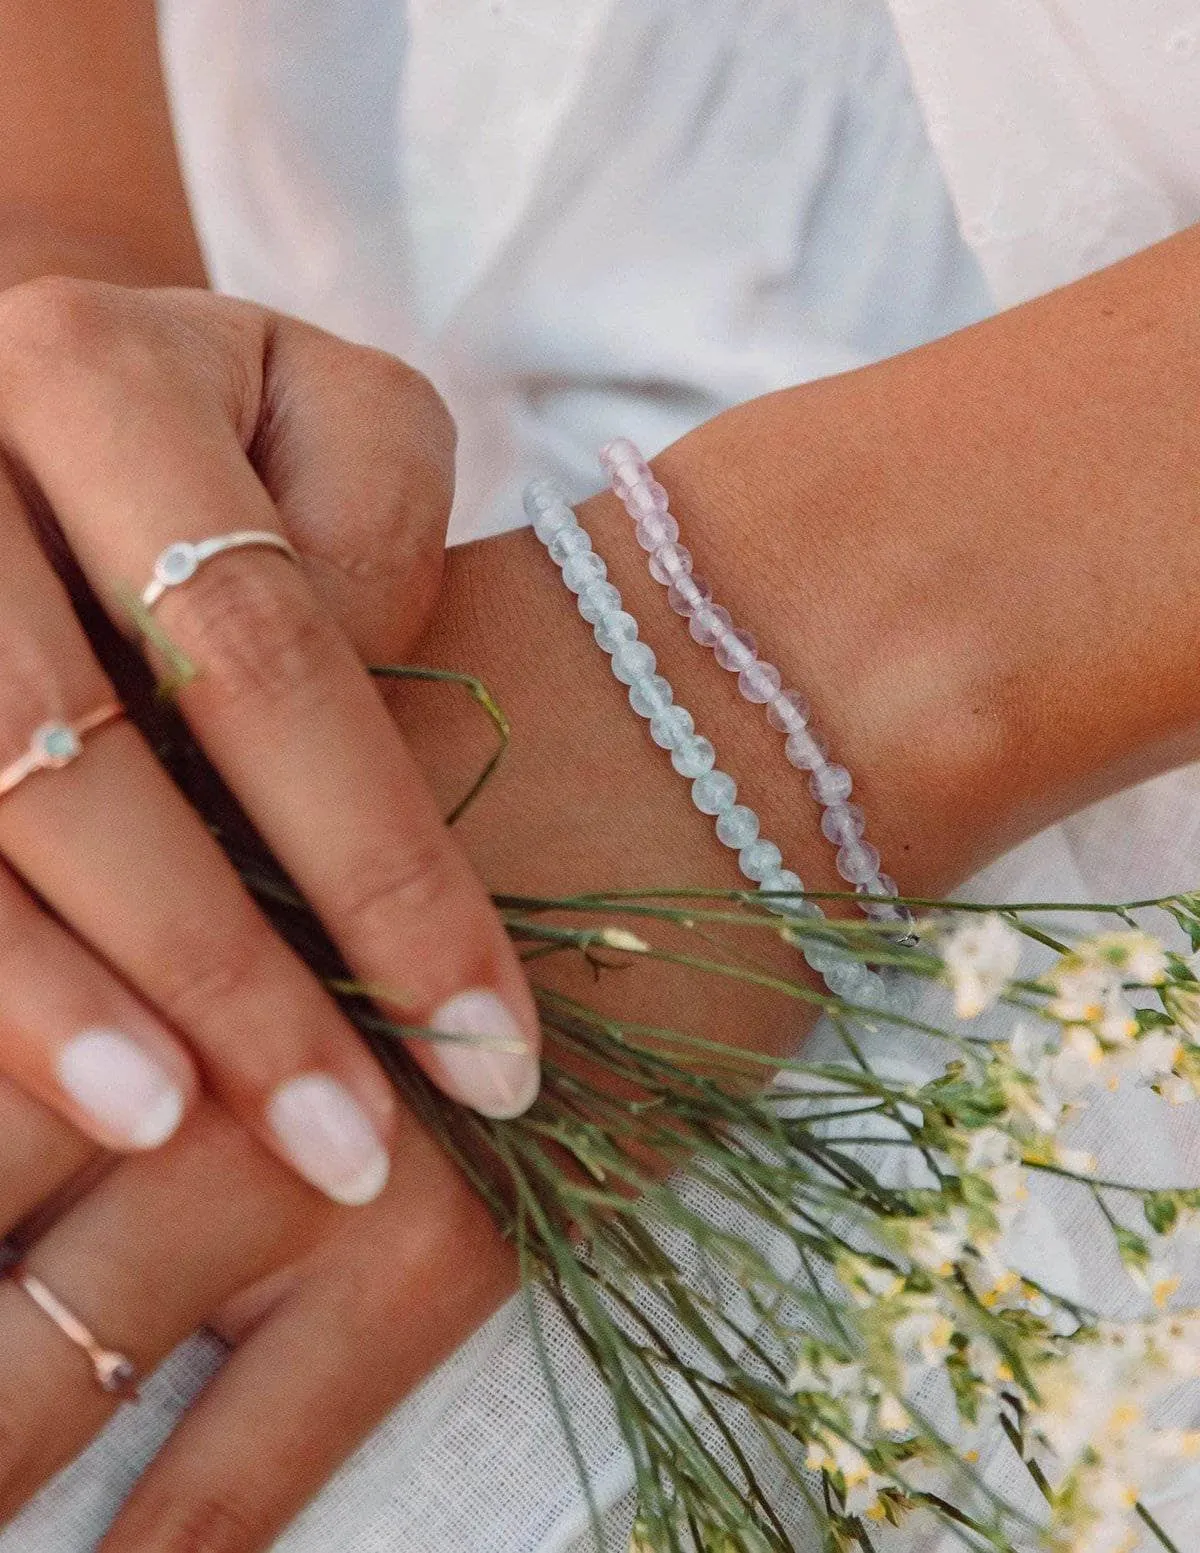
(579, 570)
(633, 660)
(783, 879)
(759, 682)
(735, 651)
(708, 624)
(694, 756)
(597, 600)
(548, 523)
(658, 530)
(568, 541)
(858, 862)
(843, 823)
(650, 697)
(671, 727)
(714, 792)
(759, 859)
(611, 630)
(849, 980)
(647, 499)
(788, 712)
(617, 451)
(882, 885)
(687, 593)
(670, 562)
(806, 749)
(737, 827)
(830, 784)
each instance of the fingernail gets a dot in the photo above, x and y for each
(116, 1081)
(501, 1084)
(329, 1138)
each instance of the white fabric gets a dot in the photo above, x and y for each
(625, 214)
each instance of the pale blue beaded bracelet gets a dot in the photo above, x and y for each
(672, 727)
(842, 823)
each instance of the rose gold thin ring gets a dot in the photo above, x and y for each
(56, 744)
(114, 1372)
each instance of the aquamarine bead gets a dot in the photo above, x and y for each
(671, 727)
(830, 784)
(851, 981)
(714, 792)
(579, 570)
(597, 600)
(737, 827)
(650, 697)
(783, 879)
(633, 660)
(842, 823)
(759, 682)
(614, 628)
(568, 541)
(759, 859)
(550, 521)
(669, 563)
(735, 650)
(694, 756)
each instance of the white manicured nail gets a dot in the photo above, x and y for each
(131, 1096)
(501, 1084)
(329, 1138)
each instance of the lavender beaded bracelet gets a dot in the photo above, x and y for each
(761, 683)
(672, 728)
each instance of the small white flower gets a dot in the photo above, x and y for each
(981, 957)
(620, 938)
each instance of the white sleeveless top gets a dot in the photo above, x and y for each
(623, 215)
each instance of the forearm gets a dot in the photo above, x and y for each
(981, 562)
(89, 182)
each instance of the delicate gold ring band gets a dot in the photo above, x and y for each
(180, 562)
(56, 744)
(114, 1372)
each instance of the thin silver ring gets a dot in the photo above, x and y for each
(115, 1372)
(55, 745)
(180, 562)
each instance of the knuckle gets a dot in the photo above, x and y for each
(205, 981)
(56, 318)
(414, 881)
(254, 637)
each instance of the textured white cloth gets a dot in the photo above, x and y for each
(623, 215)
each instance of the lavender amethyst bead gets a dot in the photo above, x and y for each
(650, 697)
(619, 450)
(579, 570)
(694, 756)
(759, 682)
(633, 660)
(708, 624)
(735, 651)
(654, 532)
(615, 628)
(568, 541)
(830, 784)
(737, 827)
(647, 500)
(788, 712)
(805, 749)
(858, 862)
(842, 823)
(759, 859)
(597, 600)
(671, 727)
(686, 594)
(714, 792)
(670, 562)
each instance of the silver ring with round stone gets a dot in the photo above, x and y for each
(56, 744)
(115, 1372)
(180, 562)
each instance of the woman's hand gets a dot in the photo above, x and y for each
(131, 421)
